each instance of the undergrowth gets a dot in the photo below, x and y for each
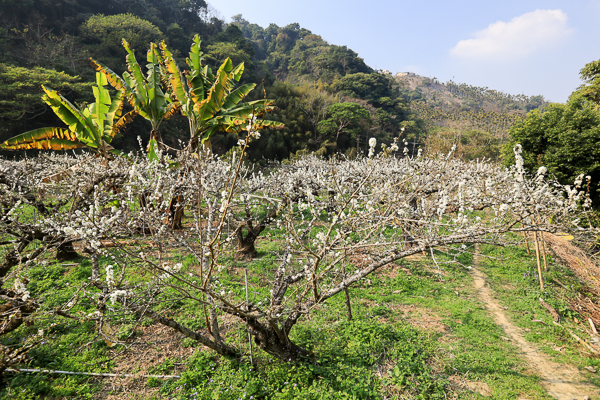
(386, 351)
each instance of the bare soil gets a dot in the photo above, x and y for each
(155, 345)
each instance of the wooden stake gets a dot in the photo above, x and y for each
(348, 304)
(551, 309)
(526, 236)
(544, 252)
(247, 305)
(537, 256)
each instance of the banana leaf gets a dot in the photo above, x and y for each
(44, 139)
(175, 78)
(68, 114)
(113, 79)
(237, 95)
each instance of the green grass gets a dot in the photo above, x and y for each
(516, 284)
(384, 351)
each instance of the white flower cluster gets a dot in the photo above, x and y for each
(372, 144)
(518, 149)
(110, 276)
(21, 289)
(114, 295)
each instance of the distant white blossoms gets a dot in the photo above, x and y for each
(372, 144)
(110, 275)
(116, 294)
(69, 231)
(541, 173)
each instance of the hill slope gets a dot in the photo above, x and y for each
(446, 104)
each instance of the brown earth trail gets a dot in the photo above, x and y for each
(562, 381)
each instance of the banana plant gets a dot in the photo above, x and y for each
(144, 93)
(93, 127)
(209, 101)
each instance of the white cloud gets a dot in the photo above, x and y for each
(520, 37)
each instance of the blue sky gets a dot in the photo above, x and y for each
(529, 47)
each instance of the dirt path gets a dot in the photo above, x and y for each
(560, 380)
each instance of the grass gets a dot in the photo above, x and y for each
(517, 287)
(416, 333)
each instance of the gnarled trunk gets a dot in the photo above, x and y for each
(246, 248)
(281, 347)
(175, 213)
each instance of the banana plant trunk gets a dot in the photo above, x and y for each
(155, 135)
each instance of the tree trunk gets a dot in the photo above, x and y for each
(66, 252)
(271, 342)
(155, 134)
(348, 305)
(175, 213)
(246, 249)
(194, 146)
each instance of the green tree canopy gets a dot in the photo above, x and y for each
(564, 139)
(590, 90)
(103, 35)
(21, 97)
(345, 123)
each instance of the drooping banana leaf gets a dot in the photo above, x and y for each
(94, 127)
(122, 122)
(175, 78)
(44, 139)
(114, 113)
(172, 109)
(68, 114)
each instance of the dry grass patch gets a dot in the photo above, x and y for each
(155, 344)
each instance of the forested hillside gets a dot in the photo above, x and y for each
(328, 99)
(476, 119)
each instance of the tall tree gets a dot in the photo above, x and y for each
(590, 90)
(103, 35)
(345, 123)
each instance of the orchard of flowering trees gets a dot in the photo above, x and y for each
(161, 226)
(326, 213)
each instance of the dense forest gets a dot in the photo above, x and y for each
(327, 97)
